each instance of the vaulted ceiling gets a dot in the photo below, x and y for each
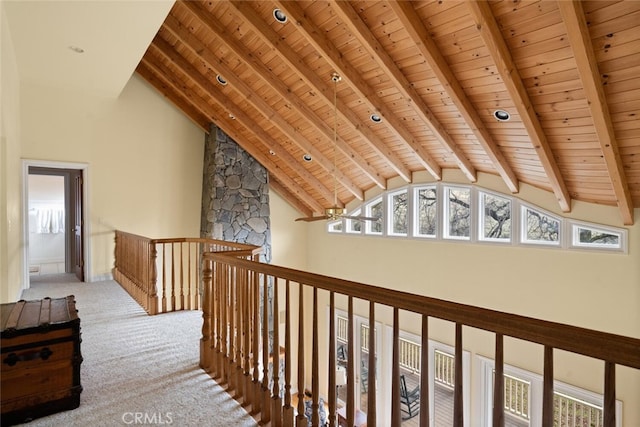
(434, 73)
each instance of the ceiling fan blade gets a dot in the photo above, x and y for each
(313, 218)
(361, 218)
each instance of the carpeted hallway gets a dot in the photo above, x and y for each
(137, 369)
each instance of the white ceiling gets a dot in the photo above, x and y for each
(114, 35)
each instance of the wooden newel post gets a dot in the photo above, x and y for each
(205, 342)
(152, 293)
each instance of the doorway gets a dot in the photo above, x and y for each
(55, 232)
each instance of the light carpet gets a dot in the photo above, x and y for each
(137, 369)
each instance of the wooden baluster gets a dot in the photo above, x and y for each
(351, 371)
(233, 331)
(547, 388)
(255, 345)
(266, 403)
(240, 295)
(276, 400)
(246, 334)
(189, 268)
(371, 380)
(396, 415)
(498, 384)
(205, 341)
(181, 276)
(287, 410)
(424, 373)
(153, 294)
(164, 278)
(609, 394)
(333, 399)
(214, 304)
(315, 373)
(301, 420)
(173, 277)
(224, 331)
(458, 409)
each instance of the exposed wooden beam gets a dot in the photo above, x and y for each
(318, 39)
(580, 40)
(361, 31)
(166, 50)
(297, 105)
(319, 86)
(258, 103)
(499, 51)
(176, 85)
(423, 41)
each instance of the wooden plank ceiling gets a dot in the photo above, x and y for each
(568, 73)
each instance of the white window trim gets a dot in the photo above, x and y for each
(523, 227)
(415, 217)
(481, 217)
(390, 217)
(445, 213)
(367, 210)
(572, 231)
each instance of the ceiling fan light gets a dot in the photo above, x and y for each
(334, 212)
(279, 16)
(501, 115)
(221, 80)
(307, 157)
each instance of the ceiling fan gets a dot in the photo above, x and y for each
(335, 212)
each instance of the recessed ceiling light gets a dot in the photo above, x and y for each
(375, 118)
(221, 80)
(280, 16)
(501, 115)
(273, 153)
(76, 49)
(306, 157)
(231, 116)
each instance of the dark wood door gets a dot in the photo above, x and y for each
(78, 229)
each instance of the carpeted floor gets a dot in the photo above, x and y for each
(137, 369)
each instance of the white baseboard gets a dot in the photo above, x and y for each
(101, 277)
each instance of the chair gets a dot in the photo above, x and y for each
(341, 356)
(364, 376)
(410, 399)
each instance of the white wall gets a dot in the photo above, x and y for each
(144, 157)
(11, 268)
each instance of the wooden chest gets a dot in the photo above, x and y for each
(40, 342)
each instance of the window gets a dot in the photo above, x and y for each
(573, 406)
(398, 216)
(457, 213)
(539, 227)
(335, 227)
(426, 212)
(375, 210)
(495, 218)
(585, 236)
(354, 226)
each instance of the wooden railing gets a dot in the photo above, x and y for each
(165, 275)
(236, 342)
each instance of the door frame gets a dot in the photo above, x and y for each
(84, 168)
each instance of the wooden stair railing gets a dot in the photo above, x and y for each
(165, 275)
(235, 347)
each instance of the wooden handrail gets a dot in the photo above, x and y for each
(141, 261)
(618, 349)
(611, 348)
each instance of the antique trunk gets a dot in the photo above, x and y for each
(40, 342)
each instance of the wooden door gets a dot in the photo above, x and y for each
(77, 248)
